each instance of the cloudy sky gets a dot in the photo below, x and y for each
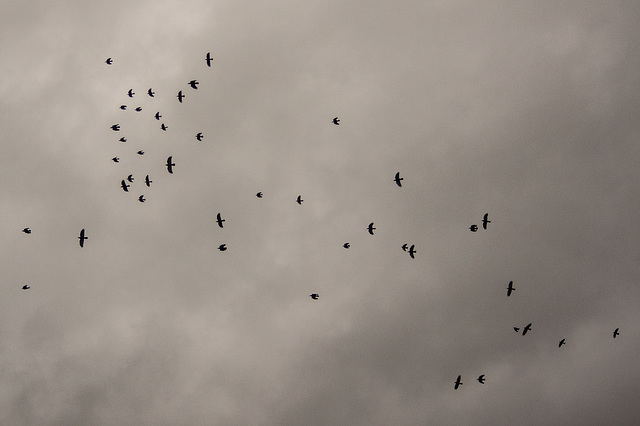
(523, 110)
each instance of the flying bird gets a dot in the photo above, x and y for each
(222, 247)
(259, 195)
(115, 159)
(458, 382)
(615, 333)
(346, 245)
(157, 116)
(314, 296)
(194, 84)
(147, 181)
(115, 127)
(122, 139)
(26, 287)
(163, 127)
(199, 136)
(481, 379)
(141, 199)
(180, 96)
(561, 343)
(516, 329)
(140, 152)
(299, 200)
(131, 93)
(398, 179)
(82, 238)
(109, 61)
(485, 220)
(412, 251)
(138, 109)
(336, 121)
(405, 247)
(208, 59)
(124, 186)
(130, 178)
(151, 92)
(510, 288)
(526, 328)
(370, 228)
(473, 228)
(123, 107)
(220, 220)
(170, 164)
(26, 230)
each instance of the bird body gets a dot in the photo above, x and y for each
(138, 109)
(163, 127)
(130, 93)
(219, 220)
(485, 220)
(473, 228)
(412, 251)
(26, 287)
(336, 121)
(481, 379)
(194, 84)
(398, 179)
(109, 61)
(259, 195)
(140, 152)
(170, 164)
(458, 382)
(199, 136)
(115, 159)
(405, 247)
(122, 139)
(180, 96)
(208, 59)
(346, 245)
(147, 181)
(616, 333)
(115, 127)
(526, 329)
(151, 92)
(130, 178)
(82, 237)
(370, 228)
(299, 200)
(510, 288)
(26, 230)
(141, 199)
(157, 116)
(222, 247)
(124, 186)
(562, 342)
(314, 296)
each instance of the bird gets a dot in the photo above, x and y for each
(199, 136)
(109, 61)
(616, 333)
(485, 220)
(180, 96)
(26, 287)
(314, 296)
(138, 109)
(115, 159)
(516, 329)
(131, 93)
(151, 92)
(526, 328)
(157, 116)
(412, 251)
(208, 59)
(561, 343)
(370, 228)
(115, 127)
(82, 238)
(299, 200)
(220, 220)
(398, 179)
(141, 152)
(481, 379)
(336, 121)
(510, 288)
(259, 195)
(141, 199)
(405, 247)
(123, 107)
(124, 186)
(222, 247)
(170, 164)
(163, 127)
(122, 139)
(130, 178)
(26, 230)
(346, 245)
(147, 181)
(473, 228)
(458, 382)
(194, 84)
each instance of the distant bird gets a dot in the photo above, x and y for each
(194, 84)
(138, 109)
(130, 178)
(485, 220)
(131, 93)
(412, 251)
(180, 96)
(151, 92)
(220, 220)
(616, 333)
(170, 164)
(299, 200)
(157, 116)
(141, 199)
(199, 136)
(510, 288)
(458, 382)
(222, 247)
(561, 343)
(259, 195)
(115, 127)
(346, 245)
(473, 228)
(405, 247)
(109, 61)
(516, 329)
(147, 181)
(115, 159)
(26, 230)
(123, 107)
(398, 179)
(208, 59)
(124, 186)
(163, 127)
(526, 329)
(82, 238)
(122, 139)
(481, 379)
(370, 228)
(26, 287)
(336, 121)
(314, 296)
(140, 152)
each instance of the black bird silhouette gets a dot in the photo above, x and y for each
(222, 247)
(115, 127)
(561, 343)
(405, 247)
(458, 382)
(615, 333)
(157, 116)
(82, 238)
(370, 228)
(299, 200)
(26, 287)
(115, 159)
(138, 109)
(485, 220)
(131, 93)
(336, 121)
(259, 195)
(314, 296)
(141, 199)
(412, 251)
(109, 61)
(398, 179)
(220, 220)
(194, 84)
(526, 329)
(170, 164)
(208, 59)
(163, 127)
(124, 186)
(180, 96)
(122, 139)
(510, 288)
(26, 230)
(130, 178)
(141, 152)
(346, 245)
(473, 228)
(147, 181)
(481, 379)
(151, 92)
(123, 107)
(516, 329)
(199, 136)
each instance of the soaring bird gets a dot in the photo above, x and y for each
(458, 382)
(346, 245)
(510, 288)
(516, 329)
(170, 164)
(130, 178)
(151, 92)
(194, 84)
(222, 247)
(140, 152)
(141, 199)
(199, 136)
(26, 230)
(123, 107)
(109, 61)
(405, 247)
(314, 296)
(336, 121)
(615, 333)
(122, 139)
(259, 195)
(115, 159)
(299, 200)
(208, 59)
(561, 343)
(82, 238)
(370, 228)
(131, 93)
(124, 186)
(220, 220)
(157, 116)
(180, 96)
(115, 127)
(147, 181)
(398, 179)
(412, 251)
(163, 127)
(473, 228)
(481, 379)
(526, 328)
(485, 220)
(26, 287)
(138, 109)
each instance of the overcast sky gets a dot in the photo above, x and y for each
(527, 111)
